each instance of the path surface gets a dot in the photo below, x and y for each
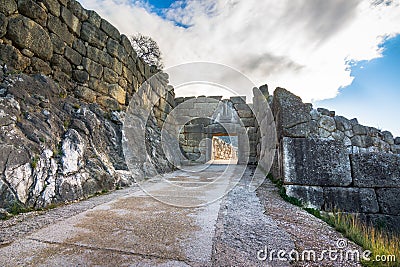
(130, 228)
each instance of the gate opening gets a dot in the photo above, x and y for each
(224, 149)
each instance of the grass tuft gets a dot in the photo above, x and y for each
(376, 240)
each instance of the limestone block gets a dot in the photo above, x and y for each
(71, 20)
(315, 115)
(58, 44)
(73, 56)
(248, 122)
(397, 141)
(78, 10)
(350, 199)
(53, 6)
(108, 102)
(56, 26)
(299, 130)
(327, 123)
(289, 111)
(85, 93)
(80, 76)
(315, 162)
(98, 85)
(359, 129)
(28, 34)
(8, 7)
(310, 196)
(93, 35)
(13, 57)
(40, 66)
(117, 93)
(117, 66)
(32, 10)
(117, 50)
(376, 170)
(238, 99)
(243, 110)
(3, 25)
(94, 69)
(110, 29)
(94, 18)
(388, 137)
(128, 46)
(110, 76)
(389, 201)
(62, 64)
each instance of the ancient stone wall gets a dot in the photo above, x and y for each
(66, 78)
(223, 151)
(79, 49)
(204, 117)
(332, 163)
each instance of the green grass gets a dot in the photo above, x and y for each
(282, 192)
(99, 193)
(34, 162)
(17, 208)
(67, 123)
(376, 240)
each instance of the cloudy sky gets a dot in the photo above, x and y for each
(342, 54)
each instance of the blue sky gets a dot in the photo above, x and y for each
(374, 95)
(161, 3)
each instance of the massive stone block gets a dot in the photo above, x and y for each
(93, 35)
(28, 34)
(13, 57)
(376, 169)
(117, 93)
(315, 162)
(350, 199)
(8, 7)
(71, 20)
(31, 9)
(3, 24)
(73, 56)
(78, 10)
(95, 69)
(290, 111)
(56, 26)
(389, 201)
(310, 196)
(110, 29)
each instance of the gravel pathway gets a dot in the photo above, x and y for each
(128, 228)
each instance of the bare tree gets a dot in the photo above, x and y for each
(147, 49)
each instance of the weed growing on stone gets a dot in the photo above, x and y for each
(282, 192)
(67, 123)
(17, 208)
(34, 162)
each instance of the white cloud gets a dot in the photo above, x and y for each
(302, 45)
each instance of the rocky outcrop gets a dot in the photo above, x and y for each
(55, 148)
(61, 116)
